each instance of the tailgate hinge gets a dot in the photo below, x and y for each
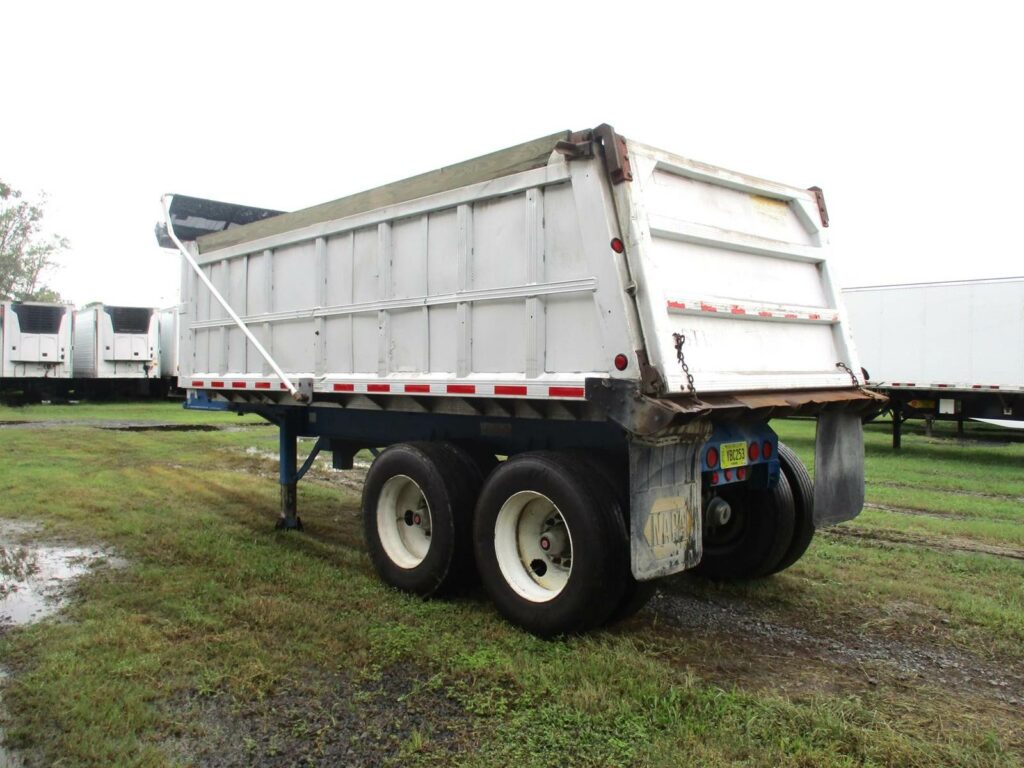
(585, 143)
(819, 198)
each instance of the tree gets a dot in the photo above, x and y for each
(25, 252)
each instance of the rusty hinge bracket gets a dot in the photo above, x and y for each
(579, 144)
(616, 158)
(651, 382)
(613, 146)
(819, 198)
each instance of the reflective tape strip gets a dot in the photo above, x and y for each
(439, 388)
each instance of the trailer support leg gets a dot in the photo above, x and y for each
(897, 425)
(289, 477)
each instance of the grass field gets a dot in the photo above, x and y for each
(898, 640)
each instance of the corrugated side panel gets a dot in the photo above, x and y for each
(736, 265)
(84, 359)
(967, 335)
(168, 323)
(490, 285)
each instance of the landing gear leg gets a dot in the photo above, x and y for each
(289, 476)
(897, 425)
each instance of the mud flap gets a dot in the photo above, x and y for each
(838, 468)
(665, 507)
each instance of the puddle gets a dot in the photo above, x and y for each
(164, 428)
(35, 577)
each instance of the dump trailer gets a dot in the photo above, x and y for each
(618, 321)
(117, 350)
(946, 351)
(35, 348)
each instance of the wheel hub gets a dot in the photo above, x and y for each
(403, 521)
(533, 545)
(719, 512)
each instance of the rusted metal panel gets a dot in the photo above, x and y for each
(665, 506)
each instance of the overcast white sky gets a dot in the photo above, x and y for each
(907, 114)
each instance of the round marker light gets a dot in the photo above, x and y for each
(711, 457)
(621, 362)
(728, 474)
(754, 452)
(741, 473)
(617, 245)
(714, 478)
(766, 450)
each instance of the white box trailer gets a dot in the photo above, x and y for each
(945, 350)
(618, 320)
(116, 343)
(35, 345)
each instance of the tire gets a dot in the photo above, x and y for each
(482, 460)
(550, 544)
(417, 517)
(803, 506)
(756, 537)
(613, 472)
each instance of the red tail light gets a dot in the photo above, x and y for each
(728, 474)
(714, 478)
(621, 361)
(754, 451)
(767, 449)
(617, 245)
(711, 457)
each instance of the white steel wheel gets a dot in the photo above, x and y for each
(533, 546)
(417, 511)
(550, 544)
(404, 523)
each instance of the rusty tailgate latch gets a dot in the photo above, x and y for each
(585, 143)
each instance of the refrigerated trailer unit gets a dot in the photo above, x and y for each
(117, 350)
(946, 351)
(35, 347)
(619, 321)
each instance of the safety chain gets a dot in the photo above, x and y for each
(846, 368)
(680, 340)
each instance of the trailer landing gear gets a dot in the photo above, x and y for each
(289, 475)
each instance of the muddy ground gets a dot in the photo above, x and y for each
(728, 639)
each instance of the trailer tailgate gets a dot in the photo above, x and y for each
(731, 274)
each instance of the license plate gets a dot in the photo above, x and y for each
(734, 455)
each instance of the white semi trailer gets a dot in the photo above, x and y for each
(35, 347)
(117, 350)
(948, 351)
(619, 321)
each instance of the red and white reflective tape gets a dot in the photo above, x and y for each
(913, 385)
(826, 316)
(547, 391)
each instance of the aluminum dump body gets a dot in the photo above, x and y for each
(35, 340)
(116, 343)
(526, 274)
(966, 335)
